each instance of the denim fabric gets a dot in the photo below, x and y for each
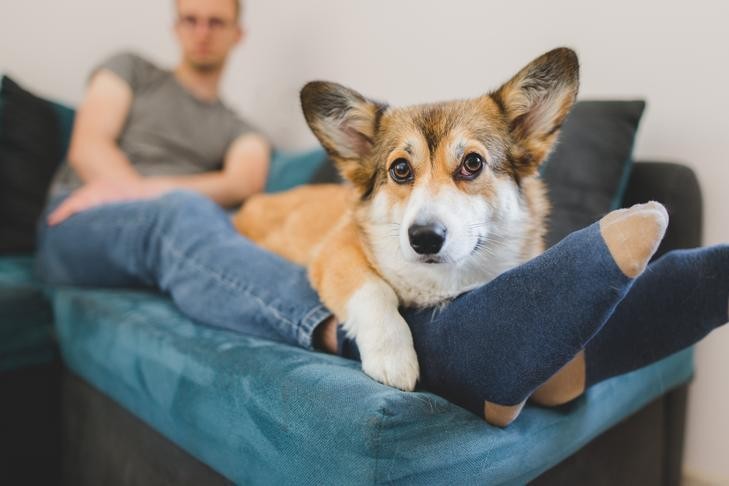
(26, 318)
(261, 412)
(186, 245)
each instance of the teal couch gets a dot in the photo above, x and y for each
(222, 407)
(26, 317)
(259, 412)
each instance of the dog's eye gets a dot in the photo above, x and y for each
(401, 172)
(471, 166)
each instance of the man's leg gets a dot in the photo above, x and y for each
(184, 244)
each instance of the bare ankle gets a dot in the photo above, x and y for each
(325, 336)
(565, 385)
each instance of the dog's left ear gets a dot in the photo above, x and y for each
(535, 103)
(345, 123)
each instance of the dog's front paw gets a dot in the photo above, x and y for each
(388, 354)
(394, 367)
(383, 337)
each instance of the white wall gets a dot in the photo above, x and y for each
(672, 53)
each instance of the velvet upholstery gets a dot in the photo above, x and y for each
(290, 169)
(262, 412)
(26, 319)
(31, 147)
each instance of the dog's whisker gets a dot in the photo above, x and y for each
(486, 253)
(498, 241)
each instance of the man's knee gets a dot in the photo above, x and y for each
(182, 202)
(110, 245)
(183, 210)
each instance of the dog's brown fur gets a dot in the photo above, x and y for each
(327, 227)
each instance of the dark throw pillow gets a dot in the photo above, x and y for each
(587, 173)
(31, 148)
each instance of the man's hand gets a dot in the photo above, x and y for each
(99, 192)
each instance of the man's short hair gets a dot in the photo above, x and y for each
(238, 8)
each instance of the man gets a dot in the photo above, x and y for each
(141, 135)
(172, 128)
(155, 155)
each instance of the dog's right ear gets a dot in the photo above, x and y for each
(345, 122)
(535, 103)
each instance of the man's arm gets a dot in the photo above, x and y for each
(109, 176)
(93, 152)
(244, 173)
(95, 155)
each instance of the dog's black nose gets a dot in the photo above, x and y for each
(427, 239)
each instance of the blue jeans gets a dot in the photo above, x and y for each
(185, 245)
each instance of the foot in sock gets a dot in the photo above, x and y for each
(489, 349)
(679, 299)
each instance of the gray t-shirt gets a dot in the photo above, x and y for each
(168, 130)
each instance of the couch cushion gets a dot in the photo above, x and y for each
(32, 144)
(26, 319)
(291, 169)
(588, 171)
(264, 412)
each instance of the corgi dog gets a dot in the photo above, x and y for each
(442, 198)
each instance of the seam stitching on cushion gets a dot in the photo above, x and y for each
(378, 448)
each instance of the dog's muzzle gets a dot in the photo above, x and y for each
(427, 239)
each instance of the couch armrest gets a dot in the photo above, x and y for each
(677, 187)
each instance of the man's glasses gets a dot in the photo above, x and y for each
(215, 24)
